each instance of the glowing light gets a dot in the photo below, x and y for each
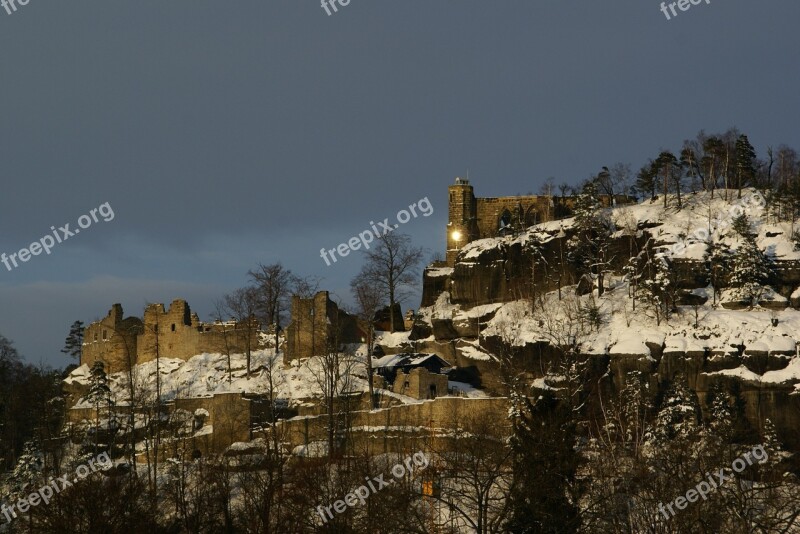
(456, 235)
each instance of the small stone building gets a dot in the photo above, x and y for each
(416, 375)
(420, 383)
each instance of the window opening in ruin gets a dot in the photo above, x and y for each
(505, 219)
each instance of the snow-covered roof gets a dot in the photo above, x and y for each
(405, 360)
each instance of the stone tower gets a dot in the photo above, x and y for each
(462, 222)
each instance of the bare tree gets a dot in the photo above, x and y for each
(226, 327)
(615, 180)
(274, 285)
(368, 300)
(242, 305)
(334, 374)
(476, 473)
(391, 266)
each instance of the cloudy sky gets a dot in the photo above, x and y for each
(224, 134)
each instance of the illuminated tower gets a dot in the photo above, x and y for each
(462, 224)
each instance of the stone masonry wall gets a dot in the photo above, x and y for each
(417, 383)
(112, 340)
(172, 333)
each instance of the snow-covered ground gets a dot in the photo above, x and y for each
(624, 330)
(207, 374)
(699, 213)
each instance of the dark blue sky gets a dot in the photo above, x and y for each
(229, 133)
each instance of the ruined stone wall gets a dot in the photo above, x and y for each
(173, 333)
(112, 340)
(178, 333)
(317, 325)
(524, 211)
(307, 334)
(230, 413)
(462, 216)
(441, 413)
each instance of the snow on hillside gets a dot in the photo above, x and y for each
(699, 212)
(624, 330)
(207, 374)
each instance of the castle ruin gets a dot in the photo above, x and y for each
(318, 325)
(176, 332)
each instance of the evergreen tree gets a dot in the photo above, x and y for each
(745, 162)
(678, 415)
(646, 180)
(657, 289)
(588, 247)
(722, 422)
(773, 447)
(100, 396)
(670, 170)
(750, 270)
(741, 225)
(711, 162)
(545, 468)
(28, 471)
(717, 259)
(73, 345)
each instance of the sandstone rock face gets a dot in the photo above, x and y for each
(502, 270)
(499, 270)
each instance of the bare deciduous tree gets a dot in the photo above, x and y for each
(242, 306)
(368, 300)
(392, 266)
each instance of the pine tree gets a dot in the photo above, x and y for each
(646, 179)
(100, 396)
(690, 165)
(750, 270)
(772, 446)
(28, 470)
(717, 259)
(669, 168)
(745, 162)
(741, 225)
(711, 162)
(678, 415)
(657, 290)
(73, 345)
(588, 248)
(545, 468)
(721, 423)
